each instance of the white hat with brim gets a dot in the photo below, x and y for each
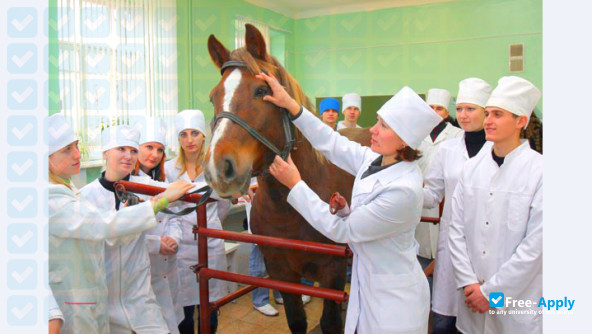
(154, 131)
(119, 136)
(516, 95)
(351, 100)
(439, 97)
(409, 116)
(59, 133)
(190, 119)
(474, 91)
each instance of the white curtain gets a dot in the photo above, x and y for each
(239, 32)
(117, 65)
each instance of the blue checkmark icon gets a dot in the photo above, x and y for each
(496, 299)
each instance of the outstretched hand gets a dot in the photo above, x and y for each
(280, 97)
(285, 171)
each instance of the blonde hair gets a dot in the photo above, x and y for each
(183, 163)
(56, 179)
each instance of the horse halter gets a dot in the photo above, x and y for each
(287, 124)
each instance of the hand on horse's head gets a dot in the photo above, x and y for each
(285, 171)
(280, 97)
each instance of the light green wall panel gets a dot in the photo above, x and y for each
(437, 45)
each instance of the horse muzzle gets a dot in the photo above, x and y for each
(226, 176)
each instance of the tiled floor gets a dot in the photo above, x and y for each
(241, 317)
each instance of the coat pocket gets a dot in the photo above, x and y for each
(518, 211)
(400, 303)
(84, 311)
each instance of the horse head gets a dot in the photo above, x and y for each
(237, 150)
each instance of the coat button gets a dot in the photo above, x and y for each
(486, 223)
(165, 259)
(490, 194)
(483, 252)
(164, 277)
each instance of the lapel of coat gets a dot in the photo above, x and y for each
(384, 177)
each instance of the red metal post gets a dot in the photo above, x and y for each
(204, 293)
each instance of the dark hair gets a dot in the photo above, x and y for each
(408, 154)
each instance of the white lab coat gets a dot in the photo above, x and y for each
(77, 233)
(132, 304)
(440, 181)
(496, 236)
(53, 310)
(389, 292)
(187, 253)
(340, 126)
(426, 234)
(164, 274)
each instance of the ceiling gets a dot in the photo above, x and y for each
(299, 9)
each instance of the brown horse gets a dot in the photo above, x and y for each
(235, 155)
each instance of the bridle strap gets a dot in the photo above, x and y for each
(232, 63)
(131, 199)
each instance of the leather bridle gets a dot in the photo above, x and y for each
(287, 125)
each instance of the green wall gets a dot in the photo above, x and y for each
(199, 19)
(372, 53)
(436, 45)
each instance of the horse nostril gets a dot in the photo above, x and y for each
(229, 170)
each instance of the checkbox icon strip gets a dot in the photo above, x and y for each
(23, 91)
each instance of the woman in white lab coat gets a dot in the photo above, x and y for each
(55, 316)
(440, 180)
(389, 292)
(190, 129)
(77, 233)
(496, 242)
(163, 240)
(132, 304)
(438, 99)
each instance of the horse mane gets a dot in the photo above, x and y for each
(272, 65)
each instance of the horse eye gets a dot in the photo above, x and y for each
(261, 92)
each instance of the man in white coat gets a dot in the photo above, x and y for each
(438, 99)
(351, 107)
(496, 231)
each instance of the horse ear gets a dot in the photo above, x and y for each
(255, 42)
(218, 52)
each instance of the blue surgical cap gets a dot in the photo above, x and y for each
(330, 103)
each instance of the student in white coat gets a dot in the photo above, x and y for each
(77, 233)
(440, 180)
(132, 304)
(55, 316)
(190, 129)
(496, 232)
(163, 240)
(426, 234)
(389, 291)
(351, 107)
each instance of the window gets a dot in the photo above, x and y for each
(117, 65)
(275, 38)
